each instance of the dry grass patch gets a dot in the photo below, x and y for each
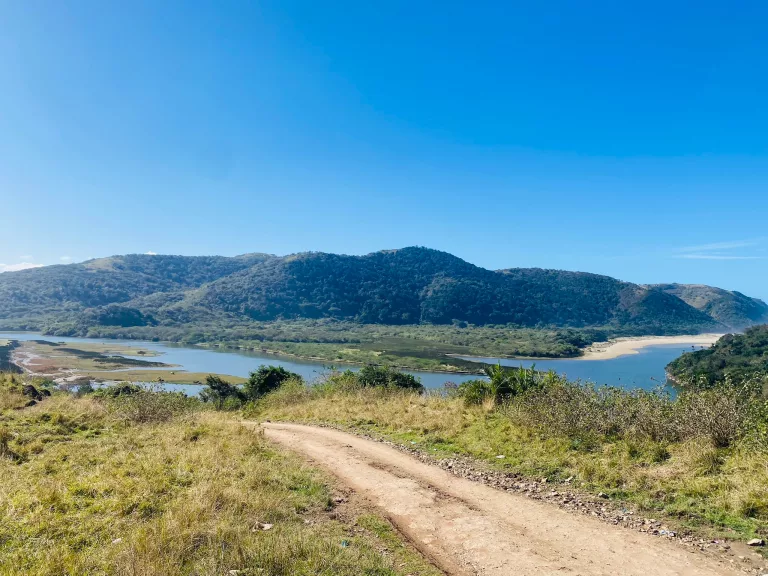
(96, 494)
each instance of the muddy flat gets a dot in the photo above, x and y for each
(467, 528)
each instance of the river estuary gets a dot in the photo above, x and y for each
(645, 369)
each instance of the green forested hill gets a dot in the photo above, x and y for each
(407, 286)
(733, 309)
(418, 285)
(736, 355)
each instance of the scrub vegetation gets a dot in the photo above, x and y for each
(420, 347)
(734, 356)
(697, 459)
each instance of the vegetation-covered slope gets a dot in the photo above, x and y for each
(418, 285)
(395, 287)
(105, 281)
(733, 309)
(735, 355)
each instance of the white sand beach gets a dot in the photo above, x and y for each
(625, 346)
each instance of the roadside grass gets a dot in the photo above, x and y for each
(713, 491)
(88, 486)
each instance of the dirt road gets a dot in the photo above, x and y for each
(468, 528)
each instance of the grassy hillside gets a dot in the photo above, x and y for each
(95, 283)
(733, 309)
(151, 484)
(734, 355)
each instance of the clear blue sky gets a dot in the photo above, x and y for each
(624, 138)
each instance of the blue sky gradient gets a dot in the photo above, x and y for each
(628, 139)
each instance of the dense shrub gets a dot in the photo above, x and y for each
(267, 379)
(115, 315)
(384, 376)
(723, 414)
(475, 392)
(504, 383)
(370, 381)
(221, 393)
(84, 390)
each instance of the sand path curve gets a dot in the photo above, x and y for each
(467, 528)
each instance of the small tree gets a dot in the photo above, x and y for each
(219, 391)
(508, 382)
(387, 377)
(84, 390)
(501, 385)
(266, 379)
(475, 392)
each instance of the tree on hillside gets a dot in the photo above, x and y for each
(220, 392)
(266, 379)
(387, 377)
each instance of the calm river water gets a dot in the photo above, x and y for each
(642, 370)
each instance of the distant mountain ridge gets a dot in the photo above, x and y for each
(731, 308)
(418, 285)
(405, 286)
(103, 281)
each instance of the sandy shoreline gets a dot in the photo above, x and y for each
(626, 346)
